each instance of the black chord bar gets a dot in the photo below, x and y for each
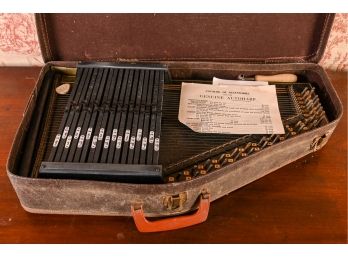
(135, 122)
(139, 136)
(76, 138)
(156, 146)
(145, 138)
(129, 117)
(152, 126)
(84, 129)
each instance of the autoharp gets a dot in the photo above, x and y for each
(120, 123)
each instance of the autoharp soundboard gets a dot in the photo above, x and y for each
(120, 123)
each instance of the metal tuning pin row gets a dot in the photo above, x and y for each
(311, 109)
(223, 159)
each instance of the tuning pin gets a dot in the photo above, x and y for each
(207, 163)
(221, 158)
(304, 91)
(209, 168)
(300, 128)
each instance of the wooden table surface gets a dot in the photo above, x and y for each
(304, 202)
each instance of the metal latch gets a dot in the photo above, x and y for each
(175, 202)
(319, 142)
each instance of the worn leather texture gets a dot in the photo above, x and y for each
(188, 45)
(106, 198)
(185, 37)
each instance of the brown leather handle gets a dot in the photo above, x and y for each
(144, 225)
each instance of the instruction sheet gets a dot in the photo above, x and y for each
(230, 108)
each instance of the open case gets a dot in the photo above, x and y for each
(195, 47)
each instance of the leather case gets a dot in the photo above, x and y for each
(194, 46)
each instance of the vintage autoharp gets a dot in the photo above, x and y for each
(119, 122)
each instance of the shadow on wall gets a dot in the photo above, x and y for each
(19, 42)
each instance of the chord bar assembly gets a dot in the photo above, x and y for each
(113, 116)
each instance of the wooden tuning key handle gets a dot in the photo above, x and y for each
(286, 77)
(277, 78)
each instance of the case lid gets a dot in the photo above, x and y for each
(258, 38)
